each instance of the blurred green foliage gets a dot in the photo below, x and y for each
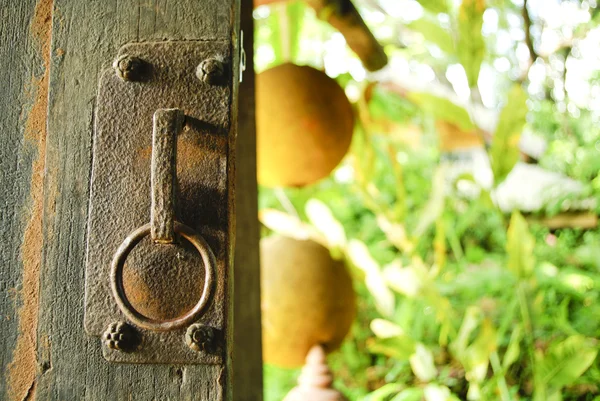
(457, 299)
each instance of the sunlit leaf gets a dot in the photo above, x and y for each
(442, 109)
(383, 392)
(288, 225)
(471, 46)
(395, 233)
(474, 392)
(519, 246)
(422, 363)
(399, 347)
(579, 282)
(385, 329)
(321, 217)
(435, 6)
(505, 152)
(409, 394)
(435, 392)
(359, 255)
(434, 33)
(404, 280)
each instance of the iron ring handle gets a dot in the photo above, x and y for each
(118, 289)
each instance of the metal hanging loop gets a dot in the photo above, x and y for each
(163, 226)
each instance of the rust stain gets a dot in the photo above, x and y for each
(21, 375)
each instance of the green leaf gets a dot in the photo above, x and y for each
(469, 324)
(383, 392)
(285, 23)
(409, 394)
(434, 33)
(296, 11)
(514, 349)
(504, 153)
(387, 105)
(519, 246)
(435, 6)
(399, 347)
(477, 355)
(563, 363)
(471, 46)
(435, 205)
(442, 109)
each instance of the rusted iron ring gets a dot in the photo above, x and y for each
(118, 290)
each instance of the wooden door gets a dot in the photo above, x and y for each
(52, 54)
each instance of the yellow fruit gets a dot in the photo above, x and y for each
(304, 125)
(307, 299)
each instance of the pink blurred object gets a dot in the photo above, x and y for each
(314, 384)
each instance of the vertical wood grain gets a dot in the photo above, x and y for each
(247, 352)
(23, 101)
(85, 38)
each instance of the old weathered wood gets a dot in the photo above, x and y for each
(23, 89)
(247, 351)
(52, 54)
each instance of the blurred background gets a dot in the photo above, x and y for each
(466, 207)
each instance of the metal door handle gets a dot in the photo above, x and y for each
(163, 226)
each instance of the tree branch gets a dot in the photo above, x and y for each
(527, 28)
(342, 15)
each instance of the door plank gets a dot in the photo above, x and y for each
(23, 101)
(247, 352)
(86, 36)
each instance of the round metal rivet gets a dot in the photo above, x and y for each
(211, 71)
(130, 68)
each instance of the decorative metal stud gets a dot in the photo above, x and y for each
(122, 337)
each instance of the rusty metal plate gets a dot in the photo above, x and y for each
(162, 282)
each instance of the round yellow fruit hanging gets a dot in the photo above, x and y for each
(304, 125)
(307, 300)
